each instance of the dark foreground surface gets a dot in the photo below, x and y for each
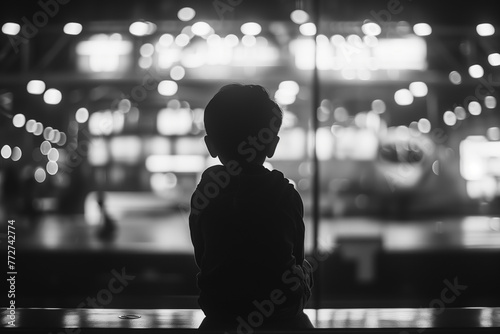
(403, 321)
(450, 262)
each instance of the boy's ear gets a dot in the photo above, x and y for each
(271, 148)
(210, 147)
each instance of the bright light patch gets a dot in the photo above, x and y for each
(6, 152)
(52, 96)
(251, 28)
(231, 40)
(36, 87)
(167, 87)
(325, 143)
(187, 30)
(142, 28)
(72, 28)
(103, 53)
(493, 133)
(449, 118)
(370, 41)
(147, 50)
(145, 62)
(356, 144)
(378, 106)
(182, 40)
(82, 115)
(174, 121)
(424, 125)
(348, 73)
(284, 98)
(175, 163)
(40, 175)
(38, 129)
(186, 14)
(308, 29)
(62, 139)
(98, 154)
(479, 158)
(403, 97)
(460, 112)
(435, 167)
(53, 154)
(360, 120)
(214, 40)
(340, 114)
(177, 72)
(289, 86)
(162, 182)
(248, 40)
(16, 154)
(476, 71)
(455, 78)
(422, 29)
(45, 147)
(490, 102)
(418, 89)
(52, 167)
(494, 59)
(11, 28)
(125, 149)
(299, 16)
(364, 74)
(56, 136)
(474, 108)
(200, 28)
(337, 40)
(371, 29)
(18, 120)
(292, 144)
(30, 126)
(103, 122)
(393, 53)
(485, 29)
(48, 133)
(166, 40)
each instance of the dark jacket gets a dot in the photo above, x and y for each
(248, 236)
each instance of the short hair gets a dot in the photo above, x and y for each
(238, 112)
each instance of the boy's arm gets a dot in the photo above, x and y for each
(299, 245)
(298, 211)
(196, 235)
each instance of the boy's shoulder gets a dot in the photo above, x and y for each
(263, 188)
(219, 174)
(211, 170)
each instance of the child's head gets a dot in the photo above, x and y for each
(242, 124)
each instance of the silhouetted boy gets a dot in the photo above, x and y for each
(246, 221)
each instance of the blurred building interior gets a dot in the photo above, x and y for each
(391, 135)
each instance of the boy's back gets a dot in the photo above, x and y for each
(248, 234)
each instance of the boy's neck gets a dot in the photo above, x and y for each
(252, 169)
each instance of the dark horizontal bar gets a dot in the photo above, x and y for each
(375, 320)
